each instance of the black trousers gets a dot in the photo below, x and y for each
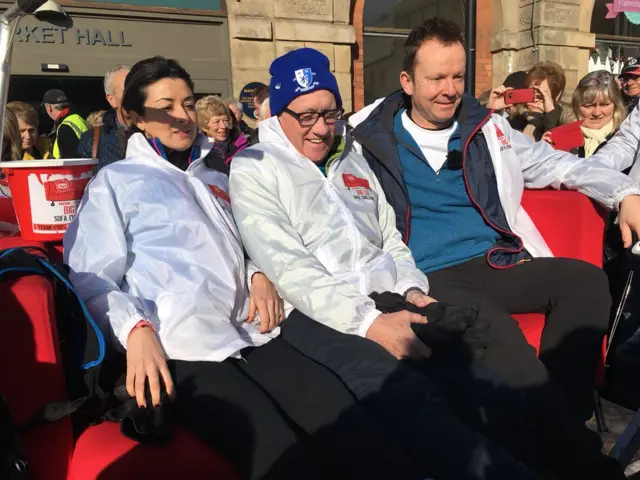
(575, 298)
(256, 410)
(573, 295)
(410, 406)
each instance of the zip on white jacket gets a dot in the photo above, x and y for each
(326, 243)
(151, 242)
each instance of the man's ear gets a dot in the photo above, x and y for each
(406, 82)
(111, 100)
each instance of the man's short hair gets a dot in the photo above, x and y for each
(553, 73)
(442, 30)
(108, 77)
(262, 93)
(232, 101)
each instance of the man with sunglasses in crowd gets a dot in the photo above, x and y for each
(315, 220)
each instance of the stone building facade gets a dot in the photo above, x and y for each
(261, 30)
(528, 31)
(511, 35)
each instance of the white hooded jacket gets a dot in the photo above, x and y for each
(326, 243)
(151, 242)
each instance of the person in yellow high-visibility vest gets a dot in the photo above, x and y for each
(68, 126)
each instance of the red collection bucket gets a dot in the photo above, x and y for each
(46, 194)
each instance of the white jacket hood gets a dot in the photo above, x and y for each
(151, 242)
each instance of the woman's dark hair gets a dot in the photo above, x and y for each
(147, 72)
(143, 74)
(444, 31)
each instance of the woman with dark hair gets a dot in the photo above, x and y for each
(155, 254)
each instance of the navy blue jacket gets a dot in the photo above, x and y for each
(379, 147)
(110, 145)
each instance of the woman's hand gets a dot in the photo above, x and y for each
(547, 137)
(264, 300)
(543, 93)
(146, 360)
(496, 99)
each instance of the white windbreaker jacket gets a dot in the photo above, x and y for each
(151, 242)
(520, 162)
(326, 243)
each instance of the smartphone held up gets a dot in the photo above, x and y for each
(519, 96)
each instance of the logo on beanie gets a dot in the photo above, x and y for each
(304, 77)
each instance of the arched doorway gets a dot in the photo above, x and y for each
(386, 24)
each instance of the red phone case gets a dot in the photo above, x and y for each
(568, 136)
(519, 95)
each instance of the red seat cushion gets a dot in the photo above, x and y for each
(103, 453)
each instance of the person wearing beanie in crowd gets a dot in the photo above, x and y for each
(315, 220)
(68, 126)
(630, 83)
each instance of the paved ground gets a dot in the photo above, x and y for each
(618, 418)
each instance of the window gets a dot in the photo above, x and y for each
(616, 39)
(386, 26)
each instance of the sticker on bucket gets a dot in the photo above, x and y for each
(54, 200)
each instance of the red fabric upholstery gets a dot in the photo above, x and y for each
(103, 453)
(32, 374)
(7, 213)
(573, 227)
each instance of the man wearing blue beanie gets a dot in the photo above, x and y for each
(315, 221)
(311, 73)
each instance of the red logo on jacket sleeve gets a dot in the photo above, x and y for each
(220, 193)
(351, 181)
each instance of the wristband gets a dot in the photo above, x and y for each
(140, 324)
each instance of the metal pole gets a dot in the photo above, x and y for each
(470, 40)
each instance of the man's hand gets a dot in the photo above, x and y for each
(629, 218)
(264, 300)
(419, 299)
(393, 332)
(496, 99)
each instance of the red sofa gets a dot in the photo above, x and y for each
(32, 374)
